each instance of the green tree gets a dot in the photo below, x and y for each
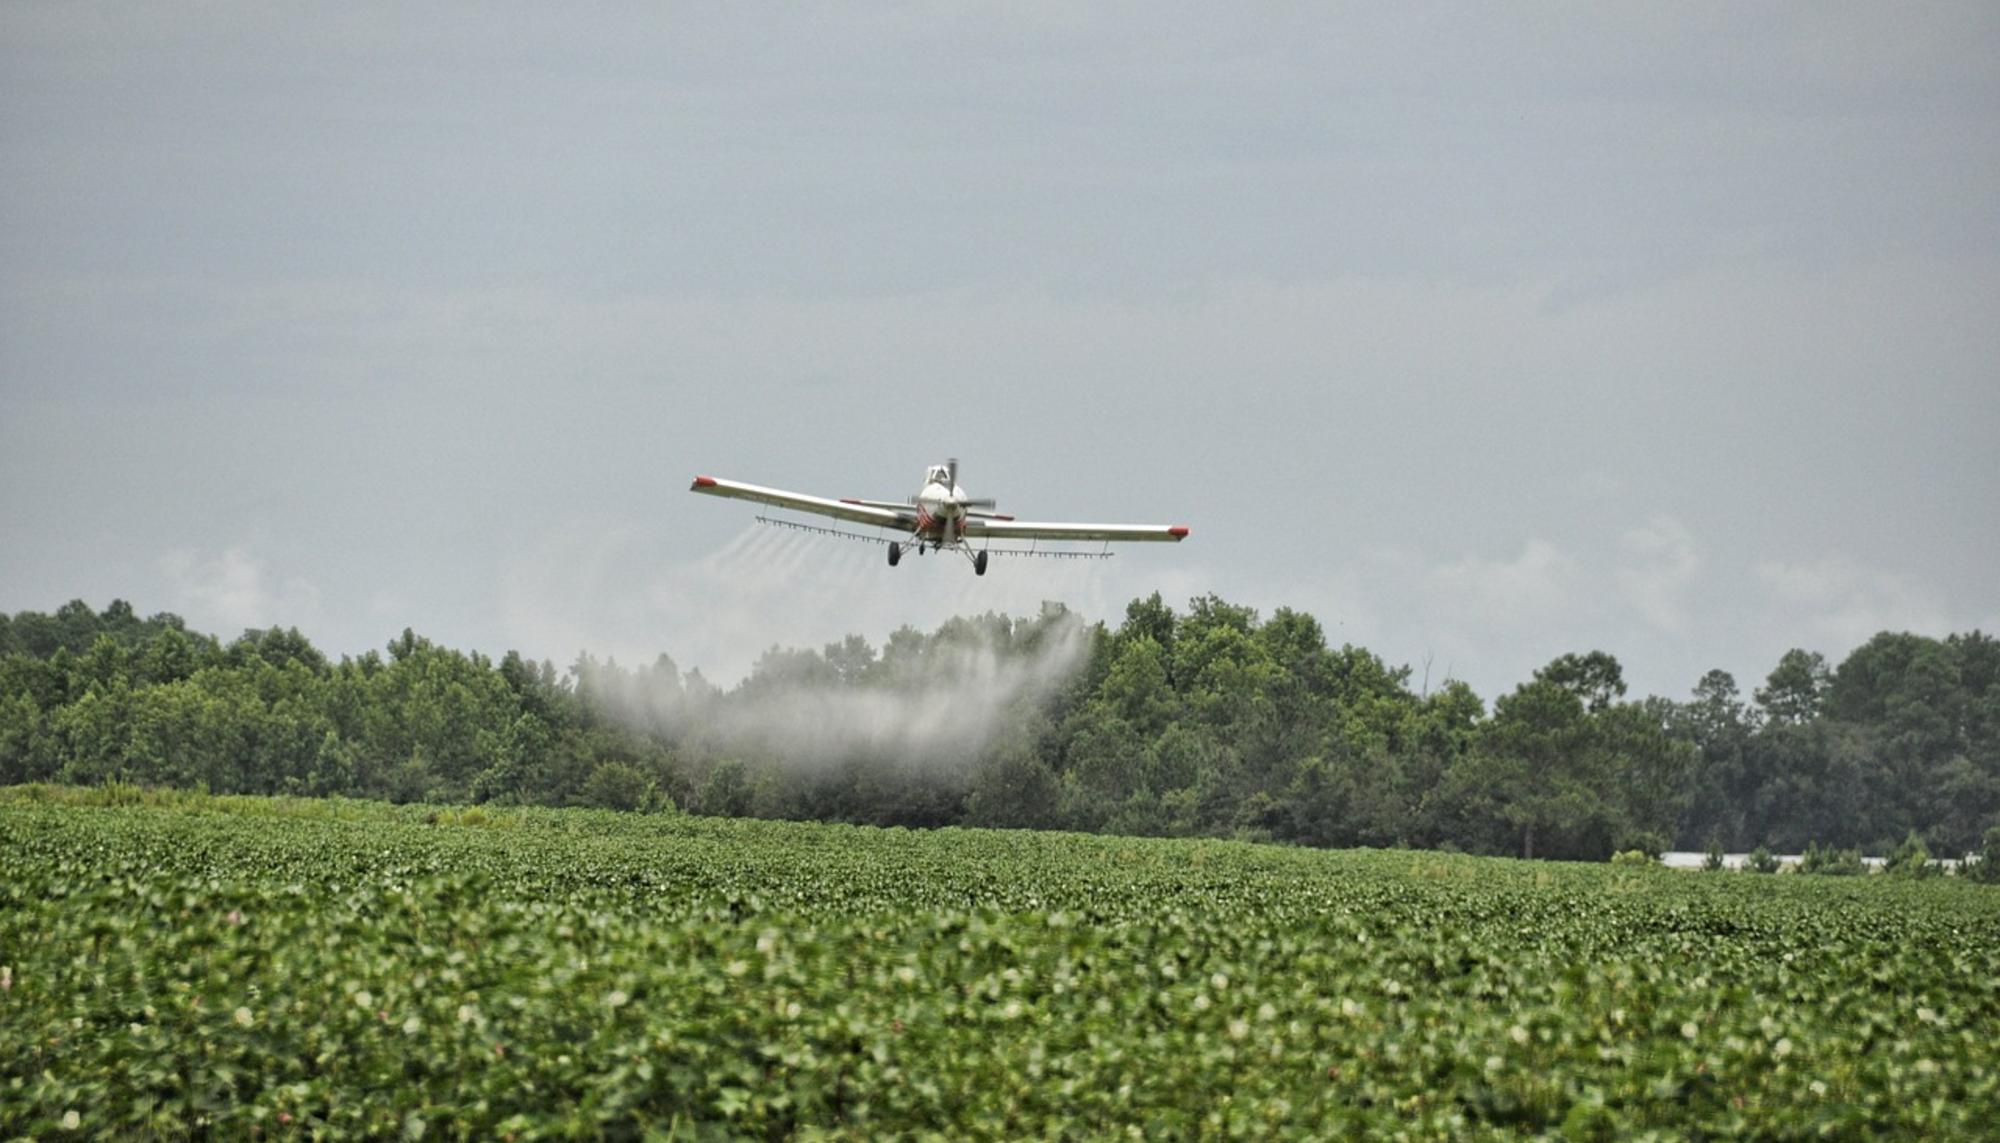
(168, 657)
(617, 786)
(1985, 866)
(1595, 678)
(725, 792)
(1016, 789)
(1650, 771)
(520, 768)
(1137, 690)
(107, 664)
(1911, 858)
(851, 660)
(1831, 862)
(277, 647)
(1104, 765)
(1719, 789)
(1796, 689)
(1712, 860)
(25, 749)
(1811, 783)
(1149, 618)
(1545, 780)
(334, 767)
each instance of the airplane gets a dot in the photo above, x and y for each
(940, 517)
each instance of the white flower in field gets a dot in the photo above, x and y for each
(412, 1026)
(71, 1120)
(1201, 1002)
(1782, 1048)
(365, 998)
(1818, 1087)
(736, 967)
(906, 974)
(1349, 1008)
(1239, 1028)
(1518, 1034)
(466, 1013)
(1266, 1013)
(1012, 1011)
(1689, 1031)
(6, 977)
(618, 998)
(244, 1017)
(1219, 982)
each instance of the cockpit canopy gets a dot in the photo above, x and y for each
(938, 474)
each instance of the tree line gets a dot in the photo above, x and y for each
(1210, 720)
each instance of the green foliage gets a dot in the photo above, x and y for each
(1796, 688)
(238, 967)
(1630, 857)
(1213, 722)
(1911, 858)
(617, 786)
(1762, 860)
(1596, 679)
(1831, 862)
(1712, 860)
(726, 790)
(1985, 865)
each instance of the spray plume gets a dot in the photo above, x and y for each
(932, 701)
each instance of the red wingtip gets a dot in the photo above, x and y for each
(702, 482)
(1178, 531)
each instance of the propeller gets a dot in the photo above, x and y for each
(986, 503)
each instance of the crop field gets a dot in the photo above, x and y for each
(237, 967)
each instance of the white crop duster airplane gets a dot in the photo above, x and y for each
(939, 517)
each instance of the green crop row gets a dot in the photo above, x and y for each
(209, 969)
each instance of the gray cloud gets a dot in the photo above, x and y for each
(1486, 335)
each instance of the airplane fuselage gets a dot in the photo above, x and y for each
(940, 512)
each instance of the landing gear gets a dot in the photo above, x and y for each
(895, 554)
(979, 564)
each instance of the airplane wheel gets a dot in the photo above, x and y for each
(979, 564)
(895, 554)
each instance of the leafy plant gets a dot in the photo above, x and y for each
(1762, 860)
(238, 967)
(1831, 862)
(1912, 858)
(1985, 865)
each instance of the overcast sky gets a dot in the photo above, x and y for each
(1481, 332)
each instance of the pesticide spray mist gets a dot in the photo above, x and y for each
(938, 707)
(932, 696)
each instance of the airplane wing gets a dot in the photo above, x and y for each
(853, 511)
(1028, 530)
